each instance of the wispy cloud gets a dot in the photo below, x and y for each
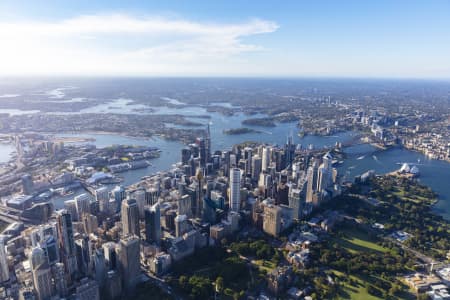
(124, 44)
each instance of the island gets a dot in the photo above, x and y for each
(266, 122)
(242, 130)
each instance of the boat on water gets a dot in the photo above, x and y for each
(68, 193)
(361, 157)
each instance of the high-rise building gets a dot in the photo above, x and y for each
(325, 173)
(272, 220)
(282, 196)
(296, 202)
(99, 265)
(208, 144)
(27, 184)
(66, 241)
(50, 247)
(256, 167)
(113, 287)
(82, 249)
(4, 270)
(151, 196)
(90, 223)
(119, 195)
(102, 198)
(83, 205)
(201, 143)
(71, 208)
(139, 196)
(153, 224)
(181, 225)
(185, 156)
(184, 205)
(289, 150)
(87, 290)
(248, 155)
(129, 261)
(312, 175)
(130, 217)
(37, 257)
(42, 280)
(111, 260)
(59, 279)
(235, 189)
(199, 194)
(266, 153)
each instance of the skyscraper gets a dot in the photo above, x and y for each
(184, 205)
(66, 241)
(139, 196)
(27, 184)
(235, 189)
(82, 249)
(185, 155)
(50, 247)
(4, 271)
(180, 225)
(272, 220)
(153, 224)
(42, 280)
(266, 153)
(296, 202)
(289, 150)
(102, 198)
(325, 173)
(248, 155)
(199, 196)
(88, 290)
(256, 167)
(312, 175)
(208, 143)
(59, 279)
(151, 195)
(129, 261)
(119, 195)
(201, 143)
(37, 257)
(130, 217)
(83, 205)
(109, 250)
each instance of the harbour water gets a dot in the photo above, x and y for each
(5, 152)
(433, 173)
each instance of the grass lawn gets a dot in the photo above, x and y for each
(355, 240)
(356, 290)
(265, 265)
(411, 196)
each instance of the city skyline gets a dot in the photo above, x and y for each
(402, 39)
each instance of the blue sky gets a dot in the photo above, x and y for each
(384, 38)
